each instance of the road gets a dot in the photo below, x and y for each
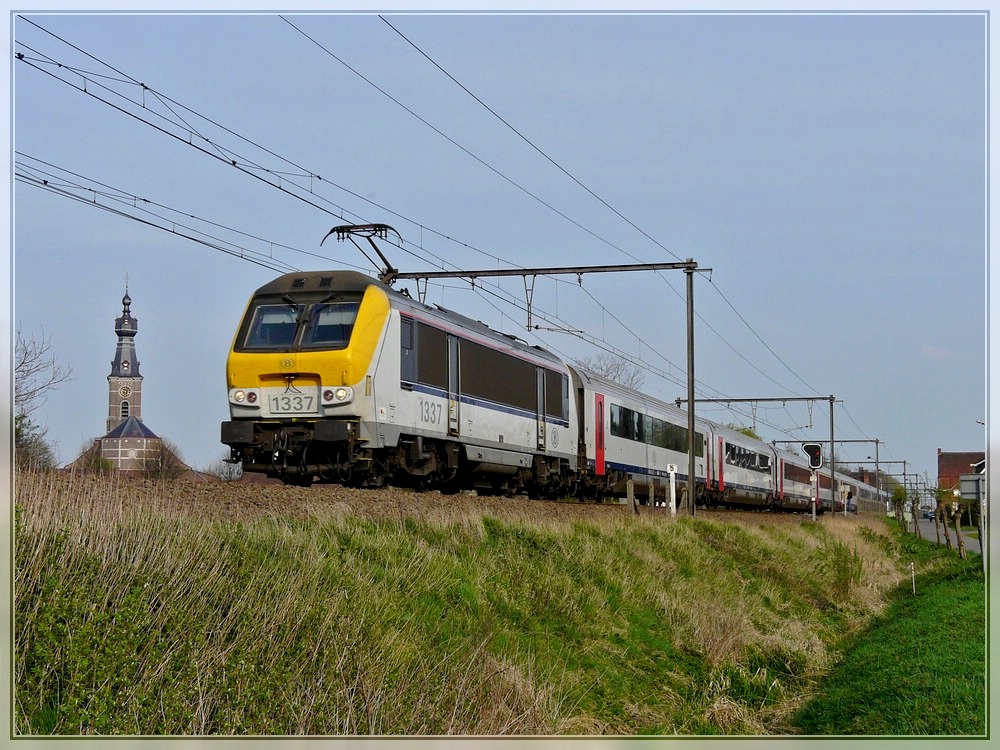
(927, 532)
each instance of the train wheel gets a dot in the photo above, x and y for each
(452, 483)
(297, 480)
(427, 483)
(573, 489)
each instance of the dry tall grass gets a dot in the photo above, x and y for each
(164, 608)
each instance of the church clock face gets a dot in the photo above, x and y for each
(125, 391)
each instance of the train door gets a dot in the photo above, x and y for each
(454, 393)
(722, 464)
(540, 409)
(599, 434)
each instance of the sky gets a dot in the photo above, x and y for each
(830, 170)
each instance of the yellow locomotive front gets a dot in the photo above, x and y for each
(299, 375)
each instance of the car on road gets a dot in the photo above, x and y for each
(929, 514)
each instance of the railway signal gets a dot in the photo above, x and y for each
(815, 453)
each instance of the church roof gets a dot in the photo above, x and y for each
(131, 428)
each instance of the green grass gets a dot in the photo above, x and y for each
(921, 668)
(135, 616)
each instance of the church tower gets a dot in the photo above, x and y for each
(125, 382)
(129, 445)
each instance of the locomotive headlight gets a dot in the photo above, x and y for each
(243, 396)
(334, 396)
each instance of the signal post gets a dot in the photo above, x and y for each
(815, 453)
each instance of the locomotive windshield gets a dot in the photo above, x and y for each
(330, 325)
(273, 327)
(287, 325)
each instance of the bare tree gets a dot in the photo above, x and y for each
(226, 470)
(615, 368)
(36, 372)
(165, 463)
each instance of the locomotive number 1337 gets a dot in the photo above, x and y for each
(430, 412)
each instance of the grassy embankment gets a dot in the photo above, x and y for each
(139, 617)
(920, 669)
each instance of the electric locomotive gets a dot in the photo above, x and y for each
(334, 376)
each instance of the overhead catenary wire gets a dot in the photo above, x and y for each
(72, 185)
(216, 151)
(565, 172)
(618, 213)
(458, 145)
(245, 164)
(231, 156)
(528, 141)
(173, 229)
(605, 203)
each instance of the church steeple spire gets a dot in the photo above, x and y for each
(125, 382)
(125, 363)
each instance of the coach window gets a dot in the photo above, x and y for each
(622, 422)
(629, 419)
(556, 395)
(797, 474)
(432, 356)
(638, 430)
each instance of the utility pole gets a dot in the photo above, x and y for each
(692, 504)
(833, 469)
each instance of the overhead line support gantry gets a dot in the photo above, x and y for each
(832, 399)
(388, 275)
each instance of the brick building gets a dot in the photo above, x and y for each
(951, 466)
